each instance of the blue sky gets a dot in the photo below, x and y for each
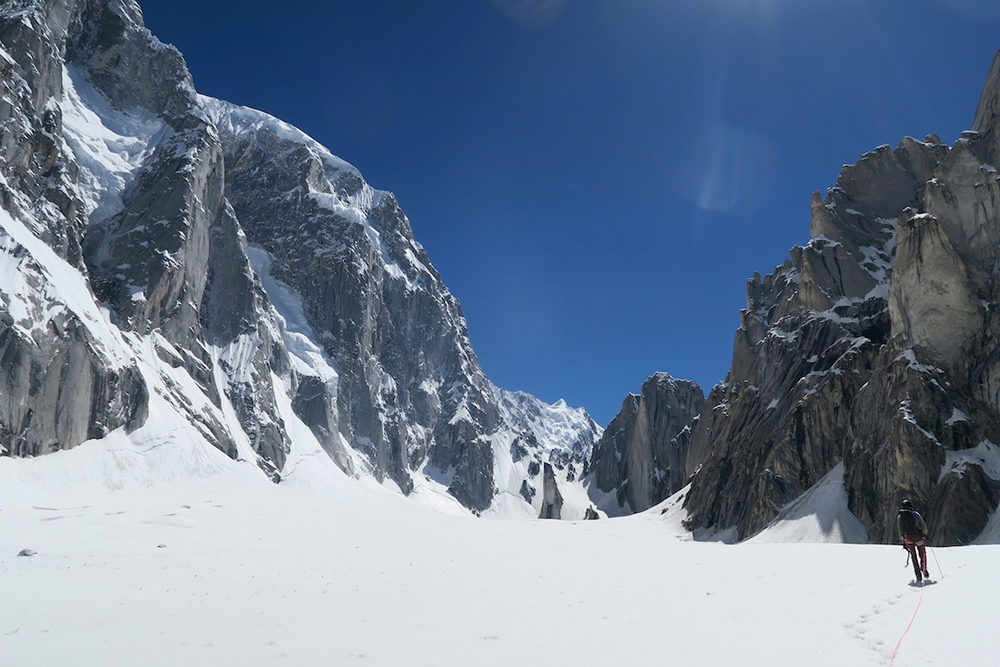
(596, 180)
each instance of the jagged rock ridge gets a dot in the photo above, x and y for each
(875, 346)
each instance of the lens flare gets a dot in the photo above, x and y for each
(533, 13)
(724, 168)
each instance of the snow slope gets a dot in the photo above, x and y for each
(818, 515)
(220, 567)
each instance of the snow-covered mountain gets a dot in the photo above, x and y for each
(177, 265)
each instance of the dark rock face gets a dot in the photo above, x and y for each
(959, 503)
(61, 391)
(473, 482)
(916, 435)
(873, 345)
(552, 500)
(642, 455)
(159, 241)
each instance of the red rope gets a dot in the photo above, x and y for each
(923, 589)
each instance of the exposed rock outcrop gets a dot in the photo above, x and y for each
(641, 458)
(552, 500)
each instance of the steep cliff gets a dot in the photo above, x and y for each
(875, 346)
(66, 377)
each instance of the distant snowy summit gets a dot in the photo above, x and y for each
(184, 271)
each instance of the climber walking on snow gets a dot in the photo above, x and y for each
(913, 532)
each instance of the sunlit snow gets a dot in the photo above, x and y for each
(169, 554)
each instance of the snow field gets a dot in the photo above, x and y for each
(228, 569)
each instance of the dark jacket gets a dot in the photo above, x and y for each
(910, 524)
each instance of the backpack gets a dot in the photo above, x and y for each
(908, 523)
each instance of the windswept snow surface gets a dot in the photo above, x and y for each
(210, 564)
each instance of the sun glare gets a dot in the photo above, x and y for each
(534, 13)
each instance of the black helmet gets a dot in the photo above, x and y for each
(906, 504)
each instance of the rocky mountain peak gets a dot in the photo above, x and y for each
(869, 347)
